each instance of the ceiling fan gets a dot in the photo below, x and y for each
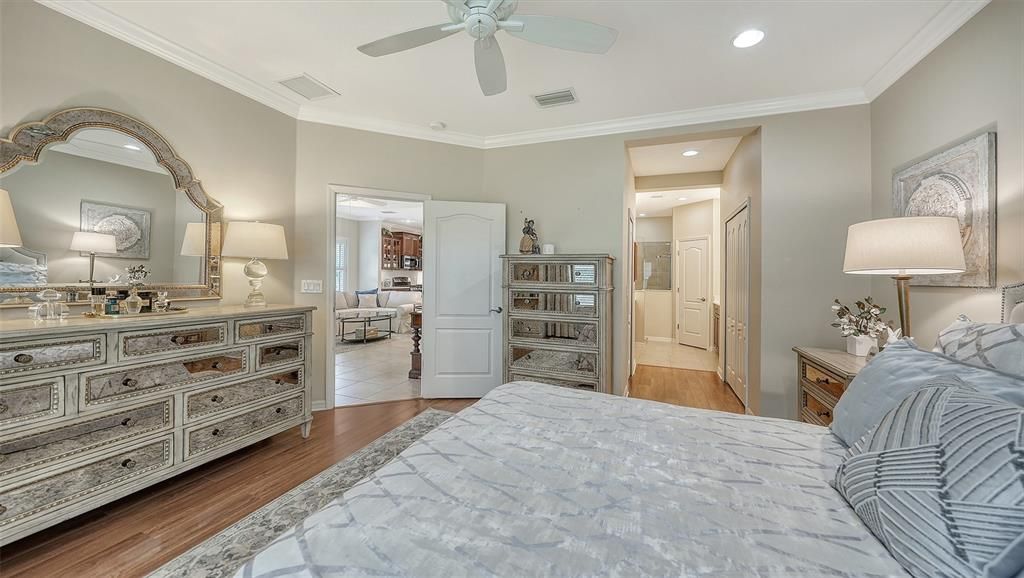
(482, 19)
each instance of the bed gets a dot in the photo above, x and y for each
(535, 480)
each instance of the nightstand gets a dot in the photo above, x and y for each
(822, 377)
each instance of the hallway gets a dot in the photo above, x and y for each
(666, 354)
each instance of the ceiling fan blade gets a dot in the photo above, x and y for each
(407, 40)
(564, 33)
(490, 66)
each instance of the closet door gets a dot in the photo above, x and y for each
(737, 301)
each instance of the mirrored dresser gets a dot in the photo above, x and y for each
(557, 320)
(94, 409)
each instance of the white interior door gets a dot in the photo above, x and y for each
(737, 301)
(462, 244)
(693, 288)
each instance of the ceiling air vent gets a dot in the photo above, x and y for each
(556, 98)
(309, 87)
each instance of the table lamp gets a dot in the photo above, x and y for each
(256, 241)
(10, 236)
(905, 247)
(92, 243)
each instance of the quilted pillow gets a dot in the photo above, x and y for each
(938, 482)
(993, 345)
(896, 372)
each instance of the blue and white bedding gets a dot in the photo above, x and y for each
(535, 480)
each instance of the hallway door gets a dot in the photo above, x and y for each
(692, 291)
(737, 301)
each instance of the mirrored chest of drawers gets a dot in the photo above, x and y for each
(94, 409)
(557, 320)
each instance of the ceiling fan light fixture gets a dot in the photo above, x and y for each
(748, 38)
(690, 153)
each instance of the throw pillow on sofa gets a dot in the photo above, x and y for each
(938, 482)
(367, 301)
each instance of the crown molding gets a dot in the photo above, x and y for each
(313, 113)
(106, 21)
(718, 113)
(939, 28)
(948, 20)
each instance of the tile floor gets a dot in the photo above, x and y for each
(377, 371)
(665, 354)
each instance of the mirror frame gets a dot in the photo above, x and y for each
(28, 140)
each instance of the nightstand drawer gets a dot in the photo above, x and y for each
(822, 378)
(819, 410)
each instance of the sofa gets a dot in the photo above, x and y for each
(401, 303)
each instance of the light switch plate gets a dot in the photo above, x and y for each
(312, 286)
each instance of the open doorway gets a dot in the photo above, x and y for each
(378, 280)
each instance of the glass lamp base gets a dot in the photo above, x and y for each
(255, 271)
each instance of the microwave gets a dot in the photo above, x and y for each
(410, 262)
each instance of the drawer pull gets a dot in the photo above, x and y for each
(825, 413)
(3, 509)
(128, 464)
(217, 398)
(3, 407)
(177, 339)
(270, 327)
(216, 432)
(821, 380)
(279, 410)
(215, 365)
(129, 382)
(277, 381)
(128, 422)
(23, 358)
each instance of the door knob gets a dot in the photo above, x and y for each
(496, 309)
(702, 299)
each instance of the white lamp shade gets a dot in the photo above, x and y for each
(905, 246)
(90, 242)
(260, 240)
(10, 236)
(194, 243)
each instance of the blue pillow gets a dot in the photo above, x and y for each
(897, 371)
(938, 482)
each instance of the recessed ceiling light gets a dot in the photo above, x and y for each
(748, 38)
(388, 212)
(690, 153)
(682, 198)
(132, 147)
(643, 214)
(657, 196)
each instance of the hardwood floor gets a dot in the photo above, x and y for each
(690, 388)
(137, 534)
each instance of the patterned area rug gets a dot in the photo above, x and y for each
(224, 553)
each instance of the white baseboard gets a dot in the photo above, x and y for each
(319, 405)
(662, 339)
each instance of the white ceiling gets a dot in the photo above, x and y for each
(109, 146)
(397, 212)
(660, 204)
(673, 63)
(667, 159)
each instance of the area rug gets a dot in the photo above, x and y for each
(224, 553)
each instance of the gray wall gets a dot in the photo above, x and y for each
(243, 152)
(973, 81)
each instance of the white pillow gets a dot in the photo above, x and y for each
(368, 301)
(1016, 314)
(383, 298)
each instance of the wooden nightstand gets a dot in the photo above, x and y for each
(822, 377)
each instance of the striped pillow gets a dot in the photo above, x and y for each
(998, 346)
(940, 482)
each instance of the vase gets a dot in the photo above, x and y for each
(859, 345)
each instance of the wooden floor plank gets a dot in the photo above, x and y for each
(137, 534)
(686, 387)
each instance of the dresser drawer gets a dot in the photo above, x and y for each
(822, 378)
(142, 344)
(255, 329)
(222, 398)
(37, 356)
(207, 438)
(574, 332)
(559, 381)
(81, 436)
(41, 496)
(582, 363)
(105, 387)
(280, 353)
(813, 409)
(550, 303)
(27, 403)
(575, 274)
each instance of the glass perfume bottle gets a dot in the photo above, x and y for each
(133, 304)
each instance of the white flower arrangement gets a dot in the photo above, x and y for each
(867, 322)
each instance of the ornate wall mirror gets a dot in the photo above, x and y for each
(95, 170)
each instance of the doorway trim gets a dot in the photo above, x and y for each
(333, 190)
(678, 286)
(724, 344)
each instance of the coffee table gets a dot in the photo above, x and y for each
(365, 320)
